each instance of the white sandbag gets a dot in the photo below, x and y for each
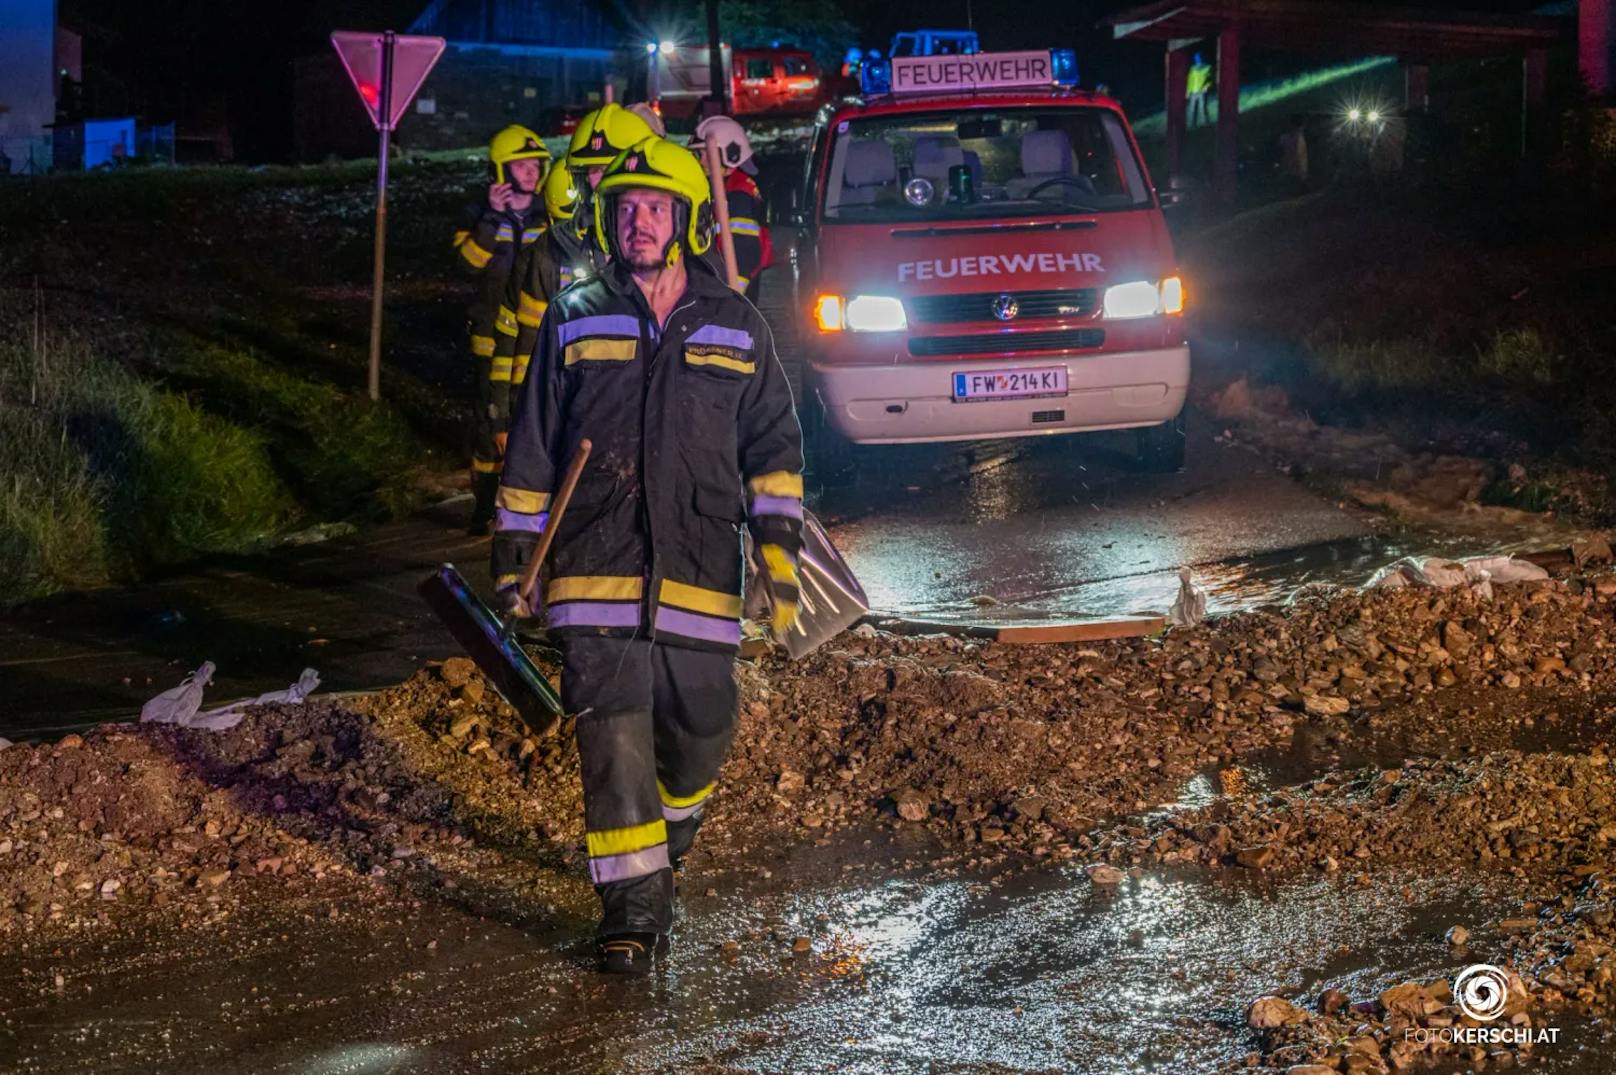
(229, 716)
(178, 705)
(1189, 607)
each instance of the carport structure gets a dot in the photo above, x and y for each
(1416, 37)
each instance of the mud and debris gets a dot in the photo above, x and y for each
(1443, 730)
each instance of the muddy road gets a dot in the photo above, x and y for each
(927, 854)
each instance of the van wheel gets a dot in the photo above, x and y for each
(1160, 448)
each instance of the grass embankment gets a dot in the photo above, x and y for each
(1482, 306)
(182, 361)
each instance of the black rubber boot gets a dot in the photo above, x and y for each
(627, 953)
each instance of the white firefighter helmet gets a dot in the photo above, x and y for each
(734, 148)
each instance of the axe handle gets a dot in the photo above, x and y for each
(726, 239)
(530, 577)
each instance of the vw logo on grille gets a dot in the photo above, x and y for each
(1005, 307)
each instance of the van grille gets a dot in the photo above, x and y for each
(1009, 343)
(1068, 302)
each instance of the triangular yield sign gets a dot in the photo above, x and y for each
(413, 57)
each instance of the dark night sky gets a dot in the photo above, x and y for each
(172, 59)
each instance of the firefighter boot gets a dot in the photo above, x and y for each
(627, 953)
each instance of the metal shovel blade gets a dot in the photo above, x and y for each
(497, 653)
(830, 599)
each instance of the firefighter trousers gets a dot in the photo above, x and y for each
(486, 459)
(654, 723)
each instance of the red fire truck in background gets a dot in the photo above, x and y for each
(984, 255)
(763, 81)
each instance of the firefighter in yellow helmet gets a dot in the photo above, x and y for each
(673, 377)
(542, 271)
(601, 137)
(506, 220)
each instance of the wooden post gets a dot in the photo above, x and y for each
(1226, 167)
(726, 240)
(1178, 73)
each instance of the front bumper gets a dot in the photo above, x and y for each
(913, 402)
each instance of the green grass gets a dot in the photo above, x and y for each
(107, 475)
(211, 397)
(1377, 365)
(341, 454)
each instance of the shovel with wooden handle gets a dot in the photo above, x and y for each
(490, 641)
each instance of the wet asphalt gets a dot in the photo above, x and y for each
(910, 970)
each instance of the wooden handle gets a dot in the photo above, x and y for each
(530, 578)
(726, 240)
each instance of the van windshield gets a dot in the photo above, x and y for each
(977, 164)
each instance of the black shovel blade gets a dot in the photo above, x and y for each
(501, 658)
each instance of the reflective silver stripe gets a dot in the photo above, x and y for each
(628, 865)
(681, 813)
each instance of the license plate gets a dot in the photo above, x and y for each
(1009, 384)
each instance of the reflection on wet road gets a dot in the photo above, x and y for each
(911, 970)
(1067, 527)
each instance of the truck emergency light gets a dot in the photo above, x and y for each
(969, 73)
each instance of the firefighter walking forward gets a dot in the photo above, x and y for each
(674, 379)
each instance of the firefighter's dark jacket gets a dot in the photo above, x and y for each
(542, 271)
(754, 248)
(694, 433)
(486, 246)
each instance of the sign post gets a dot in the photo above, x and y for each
(387, 69)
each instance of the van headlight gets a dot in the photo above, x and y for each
(861, 313)
(1144, 298)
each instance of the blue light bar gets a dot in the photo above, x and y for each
(1063, 62)
(875, 77)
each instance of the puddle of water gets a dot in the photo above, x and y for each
(1230, 585)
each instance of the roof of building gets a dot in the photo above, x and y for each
(1328, 26)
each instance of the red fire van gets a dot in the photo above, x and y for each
(984, 255)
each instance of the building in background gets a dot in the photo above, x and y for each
(28, 83)
(507, 61)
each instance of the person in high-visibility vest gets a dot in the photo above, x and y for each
(509, 219)
(1196, 87)
(754, 247)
